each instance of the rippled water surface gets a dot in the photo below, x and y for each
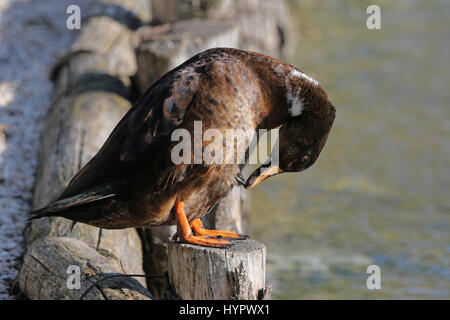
(379, 193)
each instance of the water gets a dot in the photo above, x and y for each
(379, 193)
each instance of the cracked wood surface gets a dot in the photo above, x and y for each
(236, 273)
(45, 275)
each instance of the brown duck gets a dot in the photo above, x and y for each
(134, 182)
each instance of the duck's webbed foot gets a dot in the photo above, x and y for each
(194, 233)
(197, 228)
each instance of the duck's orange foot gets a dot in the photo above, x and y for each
(194, 233)
(197, 228)
(206, 241)
(202, 241)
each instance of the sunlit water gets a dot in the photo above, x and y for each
(379, 193)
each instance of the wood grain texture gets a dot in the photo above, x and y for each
(237, 273)
(162, 48)
(263, 25)
(45, 274)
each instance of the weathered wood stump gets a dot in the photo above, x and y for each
(91, 85)
(237, 273)
(48, 272)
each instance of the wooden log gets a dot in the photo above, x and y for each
(48, 274)
(162, 48)
(237, 273)
(91, 83)
(154, 245)
(263, 25)
(132, 13)
(93, 61)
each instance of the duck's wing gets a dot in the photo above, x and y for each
(135, 139)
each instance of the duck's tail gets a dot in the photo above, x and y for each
(58, 207)
(37, 214)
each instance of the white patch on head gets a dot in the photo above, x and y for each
(296, 73)
(296, 103)
(279, 69)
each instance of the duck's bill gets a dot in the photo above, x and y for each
(265, 171)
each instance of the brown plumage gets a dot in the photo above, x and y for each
(133, 182)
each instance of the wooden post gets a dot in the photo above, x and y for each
(263, 25)
(162, 48)
(91, 86)
(237, 273)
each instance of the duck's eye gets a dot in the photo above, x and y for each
(305, 159)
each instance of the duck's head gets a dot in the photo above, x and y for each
(301, 139)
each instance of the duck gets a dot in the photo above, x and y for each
(133, 180)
